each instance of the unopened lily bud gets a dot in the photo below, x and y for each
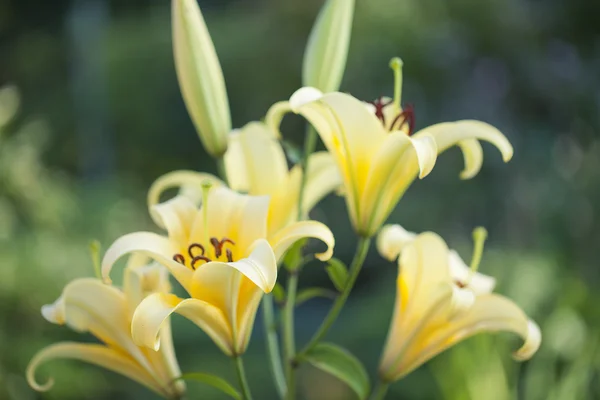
(200, 76)
(327, 49)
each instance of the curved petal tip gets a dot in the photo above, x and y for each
(532, 342)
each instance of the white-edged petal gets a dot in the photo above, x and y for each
(392, 239)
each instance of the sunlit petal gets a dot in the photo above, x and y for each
(323, 177)
(476, 281)
(154, 310)
(141, 281)
(473, 156)
(275, 115)
(94, 354)
(299, 230)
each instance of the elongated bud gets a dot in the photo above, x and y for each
(200, 76)
(327, 49)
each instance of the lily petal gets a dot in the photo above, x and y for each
(475, 281)
(88, 305)
(189, 184)
(392, 239)
(448, 134)
(394, 168)
(155, 246)
(490, 313)
(141, 281)
(299, 230)
(473, 156)
(176, 216)
(304, 96)
(275, 114)
(323, 177)
(94, 354)
(154, 310)
(255, 161)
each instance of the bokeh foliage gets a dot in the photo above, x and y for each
(101, 117)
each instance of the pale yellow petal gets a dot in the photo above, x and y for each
(473, 156)
(141, 281)
(176, 216)
(303, 96)
(189, 184)
(392, 239)
(88, 305)
(241, 218)
(490, 313)
(248, 302)
(155, 246)
(274, 116)
(94, 354)
(463, 133)
(154, 310)
(476, 281)
(299, 230)
(258, 157)
(388, 178)
(260, 267)
(323, 177)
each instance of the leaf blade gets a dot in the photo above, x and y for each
(212, 380)
(340, 363)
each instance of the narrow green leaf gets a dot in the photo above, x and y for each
(310, 293)
(214, 381)
(338, 273)
(293, 257)
(341, 364)
(278, 293)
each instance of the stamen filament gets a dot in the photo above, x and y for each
(206, 185)
(479, 237)
(396, 65)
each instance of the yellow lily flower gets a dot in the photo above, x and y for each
(375, 148)
(89, 305)
(255, 163)
(441, 302)
(222, 256)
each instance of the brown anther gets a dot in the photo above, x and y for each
(218, 245)
(179, 258)
(196, 259)
(460, 284)
(195, 246)
(229, 255)
(379, 106)
(407, 116)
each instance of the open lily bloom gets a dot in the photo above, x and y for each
(375, 148)
(222, 256)
(440, 302)
(256, 164)
(89, 305)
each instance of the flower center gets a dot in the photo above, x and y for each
(197, 254)
(404, 119)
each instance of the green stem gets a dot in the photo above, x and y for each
(379, 390)
(362, 249)
(241, 373)
(273, 345)
(221, 168)
(310, 143)
(289, 339)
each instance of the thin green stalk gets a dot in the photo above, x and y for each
(379, 390)
(221, 168)
(241, 373)
(289, 339)
(362, 249)
(273, 345)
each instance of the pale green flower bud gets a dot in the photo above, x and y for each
(327, 49)
(200, 76)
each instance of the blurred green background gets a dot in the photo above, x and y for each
(101, 117)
